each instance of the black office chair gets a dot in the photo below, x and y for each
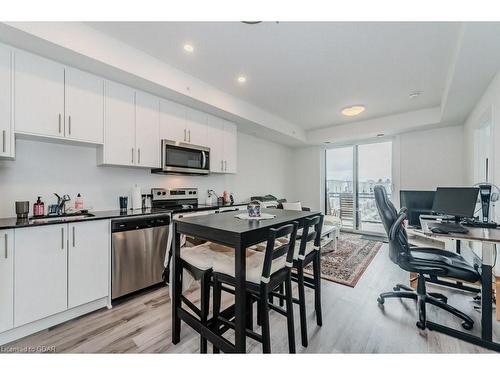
(423, 261)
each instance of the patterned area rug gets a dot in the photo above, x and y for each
(347, 264)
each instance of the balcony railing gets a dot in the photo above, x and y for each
(342, 205)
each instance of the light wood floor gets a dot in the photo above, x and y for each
(353, 323)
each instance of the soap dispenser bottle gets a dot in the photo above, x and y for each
(38, 208)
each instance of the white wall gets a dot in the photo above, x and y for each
(426, 159)
(44, 168)
(422, 160)
(309, 177)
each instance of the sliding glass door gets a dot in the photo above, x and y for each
(351, 174)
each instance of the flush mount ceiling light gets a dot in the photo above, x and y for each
(242, 79)
(353, 110)
(188, 48)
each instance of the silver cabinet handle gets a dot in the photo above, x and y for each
(6, 245)
(4, 140)
(132, 155)
(59, 123)
(185, 137)
(138, 156)
(189, 133)
(222, 165)
(225, 165)
(69, 124)
(62, 238)
(73, 236)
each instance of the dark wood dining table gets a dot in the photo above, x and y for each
(239, 234)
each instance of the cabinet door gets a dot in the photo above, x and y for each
(119, 125)
(215, 137)
(6, 132)
(38, 95)
(40, 272)
(147, 130)
(84, 106)
(88, 261)
(6, 280)
(172, 121)
(197, 127)
(230, 147)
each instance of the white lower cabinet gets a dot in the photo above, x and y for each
(58, 267)
(88, 262)
(6, 279)
(40, 286)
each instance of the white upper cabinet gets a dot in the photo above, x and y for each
(88, 261)
(222, 138)
(173, 121)
(119, 125)
(196, 127)
(55, 101)
(38, 95)
(215, 137)
(6, 280)
(40, 272)
(230, 147)
(84, 106)
(6, 130)
(147, 130)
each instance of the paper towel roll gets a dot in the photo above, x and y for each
(136, 198)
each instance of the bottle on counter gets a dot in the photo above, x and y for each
(226, 197)
(136, 198)
(79, 202)
(38, 208)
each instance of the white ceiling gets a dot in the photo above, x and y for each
(306, 72)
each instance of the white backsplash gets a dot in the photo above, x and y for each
(43, 168)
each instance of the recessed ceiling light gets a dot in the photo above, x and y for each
(188, 48)
(242, 79)
(353, 110)
(415, 94)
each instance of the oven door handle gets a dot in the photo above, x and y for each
(204, 163)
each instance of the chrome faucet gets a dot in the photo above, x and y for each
(61, 203)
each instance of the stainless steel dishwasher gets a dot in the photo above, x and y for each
(138, 248)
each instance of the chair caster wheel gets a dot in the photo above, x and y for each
(380, 300)
(420, 325)
(468, 326)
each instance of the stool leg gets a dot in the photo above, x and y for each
(217, 295)
(289, 315)
(302, 304)
(281, 291)
(266, 335)
(250, 301)
(317, 288)
(205, 303)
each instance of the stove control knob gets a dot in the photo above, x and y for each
(163, 193)
(158, 193)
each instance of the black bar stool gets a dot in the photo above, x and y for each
(265, 272)
(306, 251)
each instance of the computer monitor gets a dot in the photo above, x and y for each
(417, 203)
(459, 202)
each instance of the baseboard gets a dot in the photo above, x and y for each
(50, 321)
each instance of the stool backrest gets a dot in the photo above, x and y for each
(274, 252)
(311, 232)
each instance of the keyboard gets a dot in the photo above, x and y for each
(447, 228)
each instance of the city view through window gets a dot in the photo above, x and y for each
(356, 207)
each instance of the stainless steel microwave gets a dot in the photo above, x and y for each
(183, 158)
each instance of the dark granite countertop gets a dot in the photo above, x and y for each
(12, 222)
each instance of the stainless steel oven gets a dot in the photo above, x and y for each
(184, 158)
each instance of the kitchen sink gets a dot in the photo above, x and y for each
(61, 218)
